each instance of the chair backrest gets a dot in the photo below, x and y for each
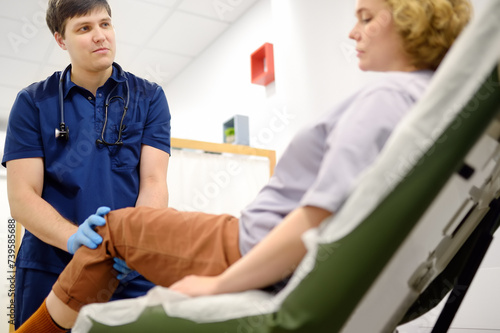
(461, 189)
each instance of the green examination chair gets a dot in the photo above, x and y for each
(421, 216)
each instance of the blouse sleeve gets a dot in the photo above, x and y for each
(354, 144)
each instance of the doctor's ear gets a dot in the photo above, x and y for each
(60, 40)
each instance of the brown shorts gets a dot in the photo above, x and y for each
(163, 245)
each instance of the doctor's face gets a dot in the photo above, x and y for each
(379, 47)
(90, 41)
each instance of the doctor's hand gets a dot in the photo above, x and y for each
(85, 235)
(194, 285)
(122, 268)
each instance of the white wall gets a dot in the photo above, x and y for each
(217, 85)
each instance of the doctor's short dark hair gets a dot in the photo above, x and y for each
(59, 11)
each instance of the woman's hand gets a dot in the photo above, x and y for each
(194, 285)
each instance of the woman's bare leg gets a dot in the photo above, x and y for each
(62, 314)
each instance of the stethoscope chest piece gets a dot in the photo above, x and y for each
(62, 132)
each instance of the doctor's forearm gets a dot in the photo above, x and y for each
(41, 219)
(24, 188)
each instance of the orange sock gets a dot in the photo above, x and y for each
(40, 322)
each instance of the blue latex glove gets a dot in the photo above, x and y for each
(85, 235)
(122, 268)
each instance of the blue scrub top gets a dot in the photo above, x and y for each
(81, 175)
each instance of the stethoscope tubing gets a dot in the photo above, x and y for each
(63, 131)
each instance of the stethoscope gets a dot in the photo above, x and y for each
(63, 131)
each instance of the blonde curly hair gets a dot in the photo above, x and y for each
(429, 27)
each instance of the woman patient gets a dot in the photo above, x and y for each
(200, 254)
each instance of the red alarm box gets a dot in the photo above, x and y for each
(262, 63)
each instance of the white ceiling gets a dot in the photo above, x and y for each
(156, 39)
